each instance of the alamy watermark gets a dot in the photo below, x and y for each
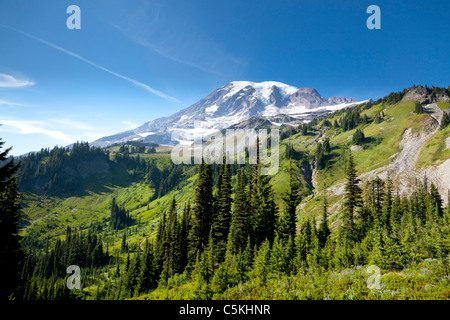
(74, 281)
(235, 145)
(373, 282)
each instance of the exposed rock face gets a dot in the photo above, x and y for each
(418, 93)
(426, 95)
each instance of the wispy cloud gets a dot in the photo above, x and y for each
(9, 81)
(77, 56)
(157, 28)
(14, 104)
(64, 130)
(33, 127)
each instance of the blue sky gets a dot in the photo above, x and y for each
(136, 60)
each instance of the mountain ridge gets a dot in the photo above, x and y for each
(231, 104)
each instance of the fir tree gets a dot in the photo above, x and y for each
(324, 231)
(418, 108)
(240, 222)
(358, 137)
(10, 250)
(264, 209)
(148, 277)
(202, 211)
(291, 199)
(261, 267)
(445, 120)
(222, 218)
(352, 198)
(182, 239)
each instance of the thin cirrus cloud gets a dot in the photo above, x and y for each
(9, 81)
(77, 56)
(33, 127)
(180, 41)
(62, 130)
(14, 104)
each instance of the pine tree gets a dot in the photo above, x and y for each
(277, 260)
(182, 239)
(222, 218)
(124, 245)
(240, 222)
(202, 211)
(418, 109)
(261, 267)
(324, 231)
(291, 199)
(445, 120)
(358, 137)
(169, 254)
(305, 241)
(436, 200)
(264, 209)
(352, 198)
(10, 250)
(148, 278)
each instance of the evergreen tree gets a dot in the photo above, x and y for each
(240, 222)
(222, 218)
(124, 245)
(182, 239)
(261, 267)
(264, 209)
(169, 254)
(291, 199)
(324, 232)
(436, 200)
(352, 198)
(10, 250)
(358, 137)
(445, 120)
(148, 277)
(418, 108)
(202, 211)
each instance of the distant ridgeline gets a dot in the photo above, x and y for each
(68, 171)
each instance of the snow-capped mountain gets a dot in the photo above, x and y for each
(231, 104)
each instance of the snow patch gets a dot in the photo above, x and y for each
(211, 110)
(145, 134)
(263, 90)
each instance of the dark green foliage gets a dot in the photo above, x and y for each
(358, 137)
(324, 231)
(263, 208)
(351, 119)
(222, 218)
(120, 218)
(378, 118)
(303, 128)
(321, 154)
(418, 109)
(10, 249)
(445, 120)
(240, 222)
(290, 199)
(352, 198)
(202, 210)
